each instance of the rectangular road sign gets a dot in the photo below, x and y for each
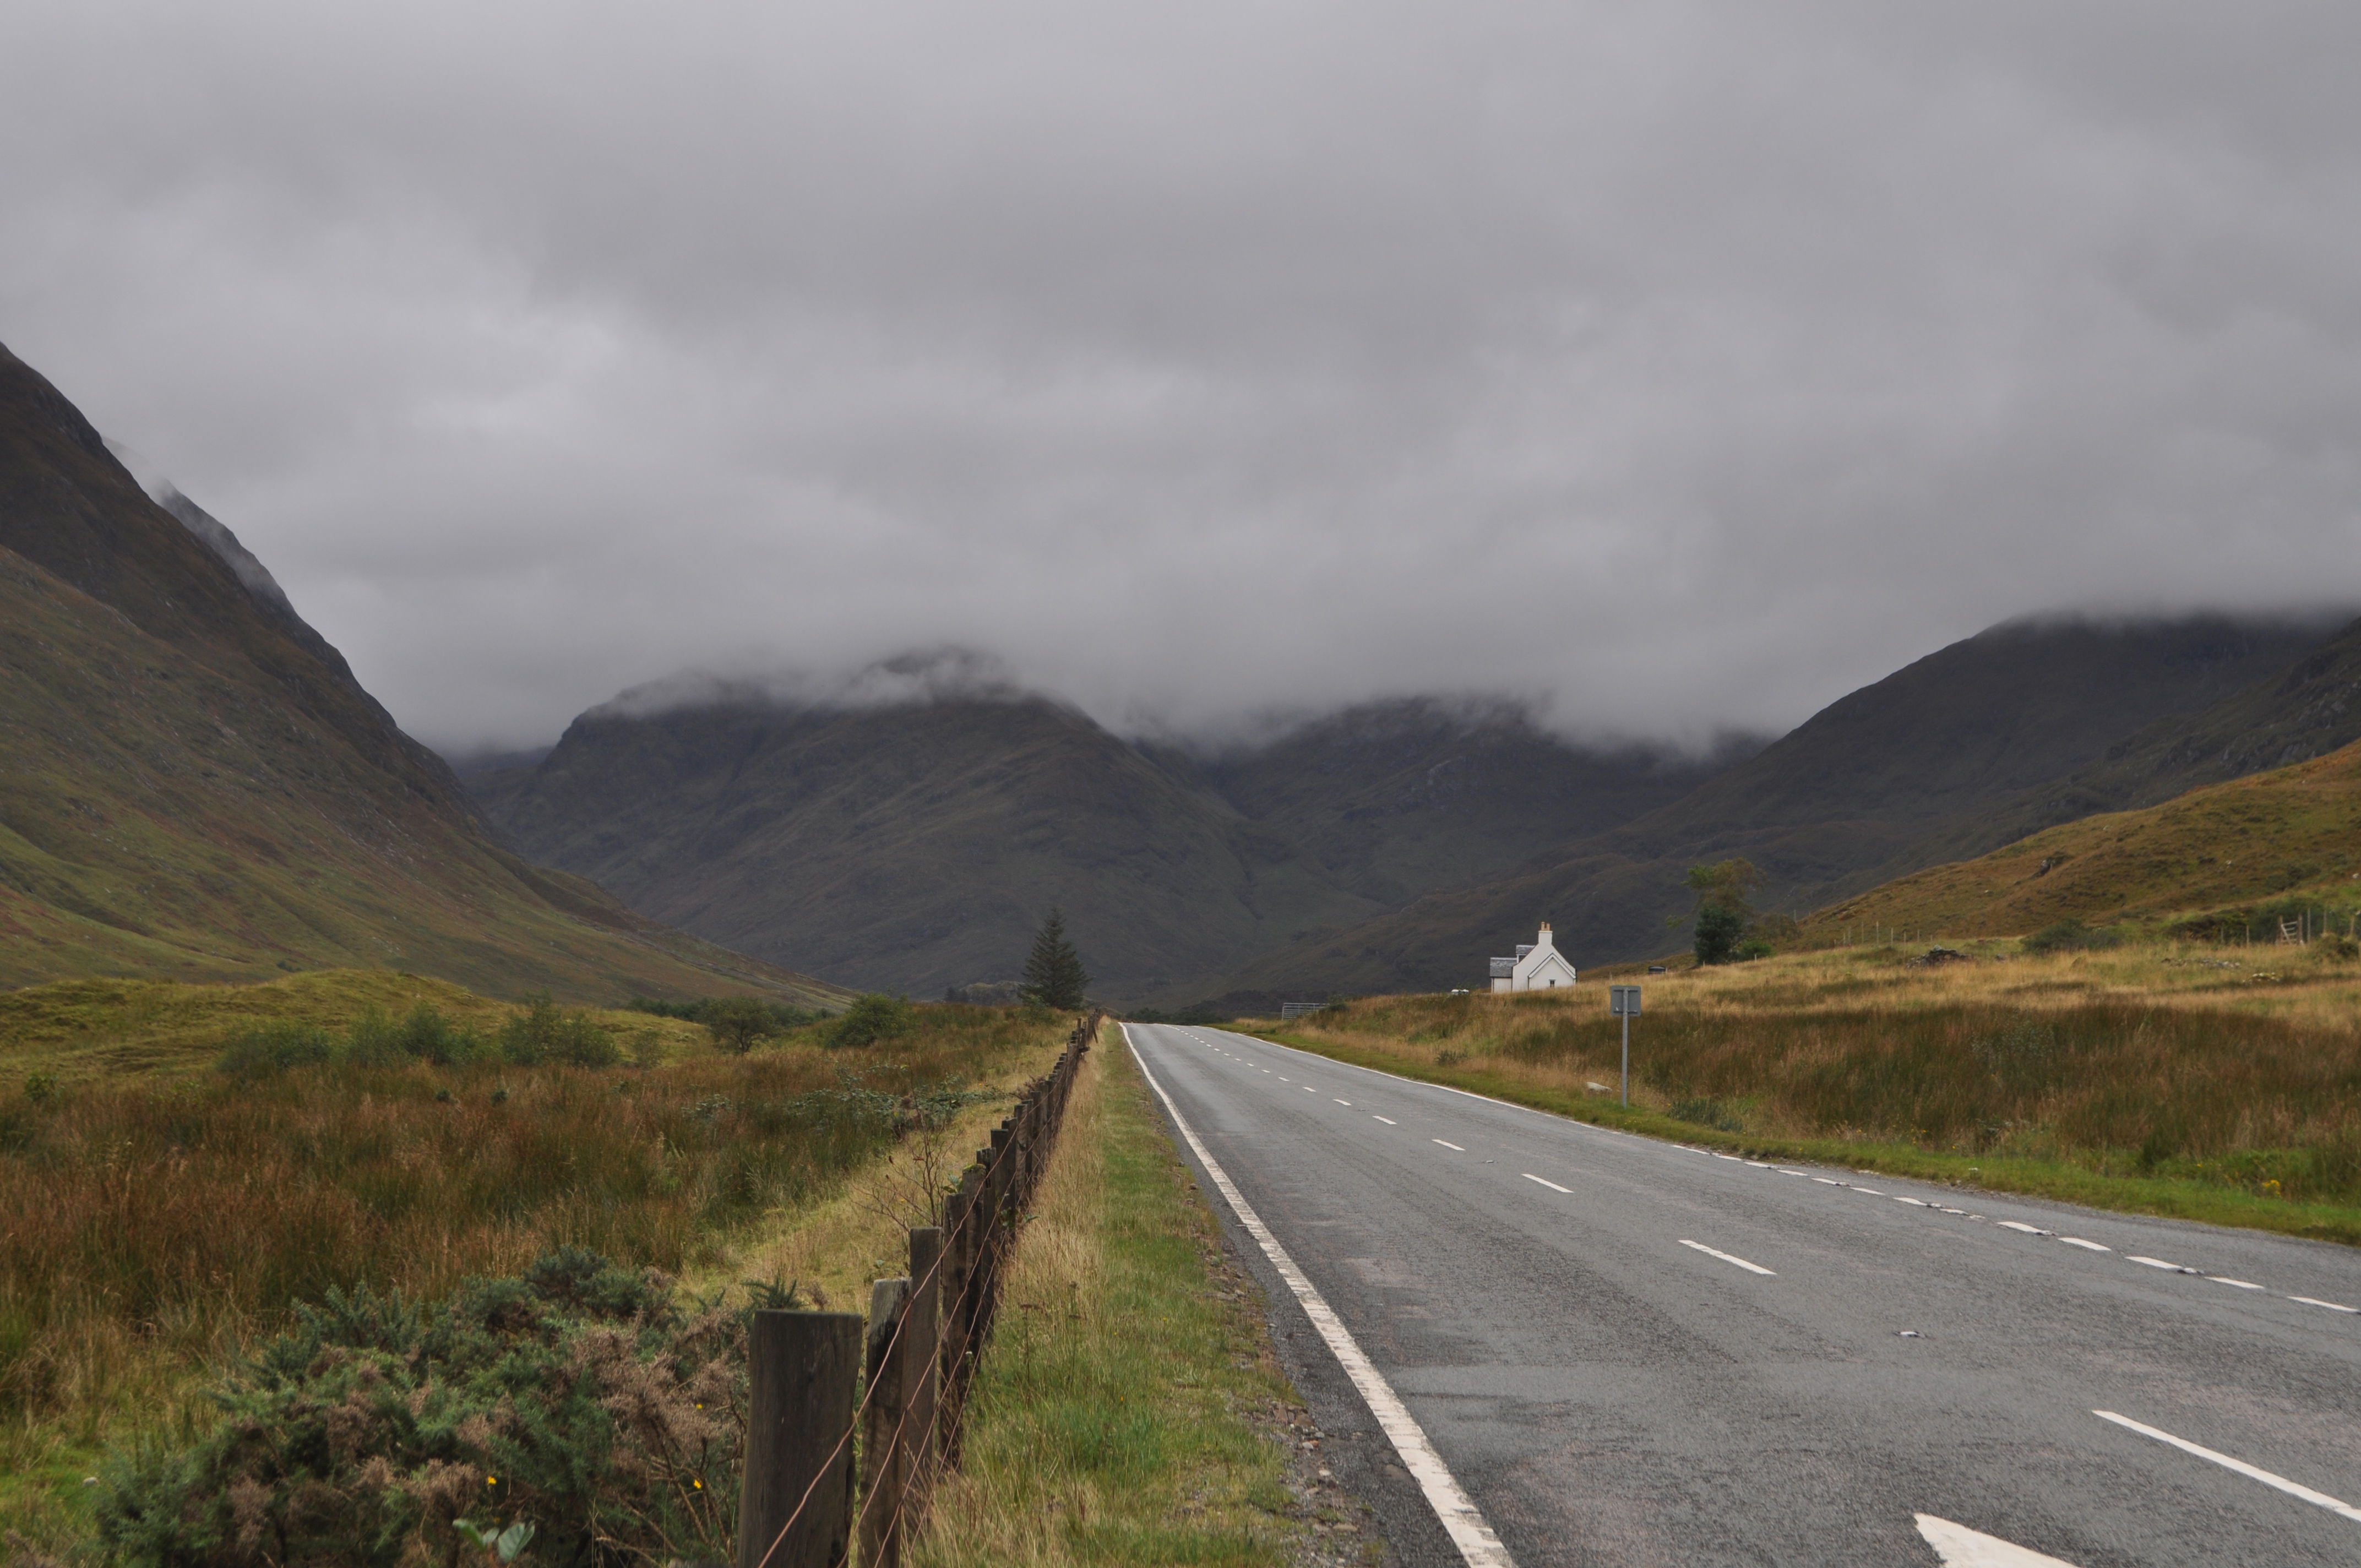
(1623, 1000)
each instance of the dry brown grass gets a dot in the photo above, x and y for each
(1114, 1420)
(2150, 1060)
(154, 1223)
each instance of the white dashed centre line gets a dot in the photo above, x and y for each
(1389, 1121)
(2241, 1284)
(1545, 1182)
(2293, 1489)
(1725, 1257)
(2021, 1225)
(1446, 1143)
(2332, 1306)
(1828, 1182)
(2087, 1246)
(1344, 1102)
(2153, 1261)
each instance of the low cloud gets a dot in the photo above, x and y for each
(1670, 369)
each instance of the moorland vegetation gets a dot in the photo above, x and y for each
(2211, 1081)
(186, 1171)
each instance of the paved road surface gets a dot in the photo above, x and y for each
(1632, 1351)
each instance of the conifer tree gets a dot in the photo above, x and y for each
(1054, 976)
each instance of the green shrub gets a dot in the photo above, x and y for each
(737, 1022)
(1719, 929)
(871, 1018)
(1706, 1114)
(543, 1033)
(581, 1399)
(265, 1050)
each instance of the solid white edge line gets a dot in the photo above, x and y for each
(1461, 1519)
(2292, 1488)
(1727, 1257)
(1545, 1182)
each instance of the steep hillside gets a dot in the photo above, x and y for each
(2292, 835)
(1395, 799)
(913, 845)
(193, 786)
(1855, 795)
(2308, 709)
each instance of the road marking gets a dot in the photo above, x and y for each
(1284, 1078)
(1462, 1521)
(1725, 1257)
(1341, 1101)
(1872, 1192)
(1389, 1121)
(1784, 1171)
(2241, 1284)
(1446, 1143)
(1758, 1165)
(1308, 1089)
(1545, 1182)
(1960, 1547)
(1828, 1182)
(2028, 1229)
(2292, 1488)
(1920, 1201)
(2315, 1302)
(1731, 1157)
(2152, 1262)
(2086, 1246)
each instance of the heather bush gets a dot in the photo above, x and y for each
(581, 1401)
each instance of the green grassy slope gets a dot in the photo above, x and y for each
(192, 787)
(1844, 801)
(2292, 834)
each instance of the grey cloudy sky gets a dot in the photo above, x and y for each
(1679, 365)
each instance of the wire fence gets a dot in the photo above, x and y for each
(911, 1361)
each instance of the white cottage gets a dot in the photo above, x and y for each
(1538, 966)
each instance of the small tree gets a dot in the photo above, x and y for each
(737, 1022)
(1054, 975)
(1722, 910)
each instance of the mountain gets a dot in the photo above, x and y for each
(2217, 856)
(195, 786)
(913, 842)
(1870, 788)
(2308, 709)
(1401, 797)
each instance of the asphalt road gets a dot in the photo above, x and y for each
(1633, 1351)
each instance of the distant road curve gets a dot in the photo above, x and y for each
(1621, 1351)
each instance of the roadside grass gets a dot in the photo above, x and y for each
(154, 1223)
(1115, 1418)
(2132, 1081)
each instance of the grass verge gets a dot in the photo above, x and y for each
(1129, 1409)
(2169, 1197)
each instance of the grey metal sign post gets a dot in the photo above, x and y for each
(1623, 1001)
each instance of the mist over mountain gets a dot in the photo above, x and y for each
(1915, 769)
(905, 827)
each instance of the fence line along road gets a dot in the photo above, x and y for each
(899, 1379)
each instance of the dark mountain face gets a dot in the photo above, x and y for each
(197, 788)
(1866, 790)
(915, 847)
(1398, 798)
(2310, 708)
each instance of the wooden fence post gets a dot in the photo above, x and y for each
(802, 1367)
(881, 1432)
(923, 1372)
